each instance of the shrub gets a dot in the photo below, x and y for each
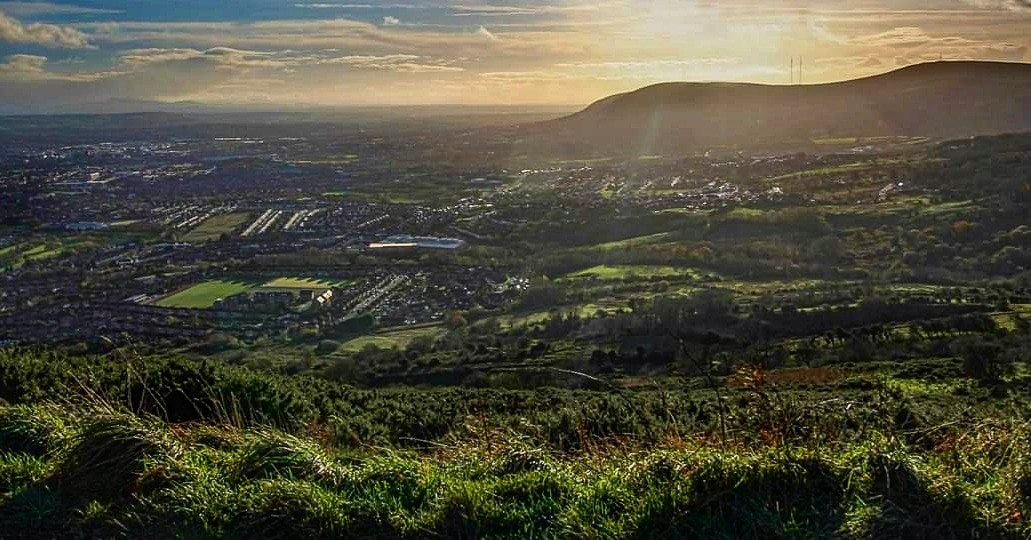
(108, 456)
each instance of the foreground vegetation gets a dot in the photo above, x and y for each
(151, 447)
(108, 473)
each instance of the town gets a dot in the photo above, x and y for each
(251, 237)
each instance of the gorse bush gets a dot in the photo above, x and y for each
(199, 391)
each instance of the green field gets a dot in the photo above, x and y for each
(216, 226)
(17, 255)
(635, 241)
(624, 271)
(837, 169)
(836, 141)
(583, 310)
(390, 339)
(203, 295)
(305, 283)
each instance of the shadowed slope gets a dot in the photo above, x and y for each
(942, 99)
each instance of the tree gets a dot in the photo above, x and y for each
(343, 369)
(982, 359)
(455, 321)
(827, 248)
(327, 346)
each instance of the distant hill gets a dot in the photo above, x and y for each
(940, 99)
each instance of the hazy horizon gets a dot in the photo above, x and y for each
(568, 53)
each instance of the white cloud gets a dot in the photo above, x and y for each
(1012, 5)
(913, 44)
(230, 58)
(359, 6)
(47, 35)
(31, 67)
(486, 33)
(23, 63)
(466, 10)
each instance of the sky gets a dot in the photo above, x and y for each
(499, 52)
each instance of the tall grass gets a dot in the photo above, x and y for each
(123, 475)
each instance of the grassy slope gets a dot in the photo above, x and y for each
(107, 473)
(627, 271)
(390, 339)
(798, 471)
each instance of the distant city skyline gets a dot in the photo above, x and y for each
(372, 52)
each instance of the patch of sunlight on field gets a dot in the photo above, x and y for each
(836, 141)
(305, 283)
(626, 271)
(537, 317)
(914, 387)
(214, 227)
(391, 339)
(635, 241)
(837, 169)
(203, 295)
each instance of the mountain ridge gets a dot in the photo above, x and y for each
(938, 99)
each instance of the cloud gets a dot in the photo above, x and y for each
(399, 63)
(30, 9)
(142, 57)
(913, 44)
(229, 58)
(1012, 5)
(219, 56)
(23, 64)
(481, 31)
(638, 64)
(523, 76)
(464, 10)
(31, 67)
(360, 6)
(396, 63)
(642, 71)
(850, 62)
(47, 35)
